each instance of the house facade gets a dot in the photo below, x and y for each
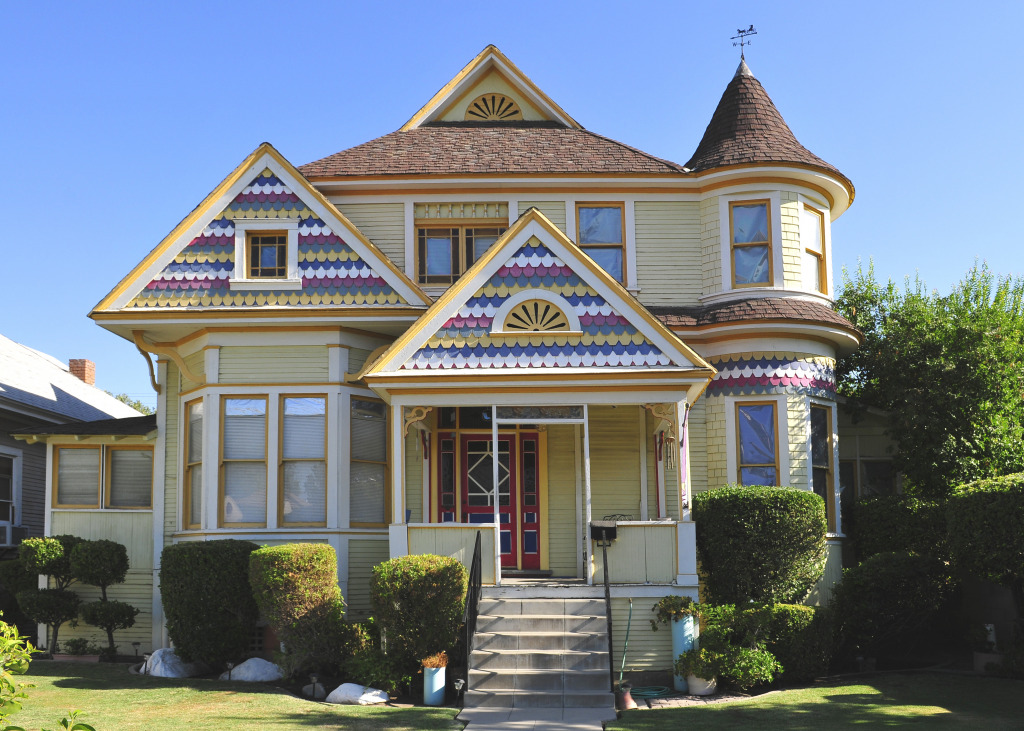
(343, 347)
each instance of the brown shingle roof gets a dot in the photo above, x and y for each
(501, 148)
(760, 308)
(747, 128)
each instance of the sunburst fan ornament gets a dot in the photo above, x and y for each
(493, 108)
(535, 316)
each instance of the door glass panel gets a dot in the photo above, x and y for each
(480, 473)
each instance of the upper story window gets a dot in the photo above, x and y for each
(601, 233)
(757, 444)
(444, 252)
(266, 249)
(750, 243)
(266, 255)
(812, 236)
(103, 476)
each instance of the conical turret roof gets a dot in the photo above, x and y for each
(746, 128)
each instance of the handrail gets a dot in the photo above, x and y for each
(469, 614)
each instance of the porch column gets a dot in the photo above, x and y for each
(495, 476)
(686, 529)
(586, 491)
(397, 463)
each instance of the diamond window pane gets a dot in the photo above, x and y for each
(78, 477)
(600, 225)
(305, 492)
(750, 223)
(131, 478)
(751, 264)
(245, 492)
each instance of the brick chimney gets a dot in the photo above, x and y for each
(84, 370)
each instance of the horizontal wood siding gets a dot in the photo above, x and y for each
(414, 476)
(792, 251)
(137, 590)
(668, 254)
(458, 543)
(698, 447)
(711, 245)
(133, 529)
(554, 210)
(33, 474)
(715, 446)
(381, 223)
(561, 527)
(798, 428)
(357, 359)
(363, 555)
(648, 650)
(614, 461)
(640, 553)
(282, 364)
(197, 364)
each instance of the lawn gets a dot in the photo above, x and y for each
(932, 700)
(114, 700)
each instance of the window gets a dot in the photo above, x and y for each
(601, 234)
(266, 255)
(750, 243)
(369, 497)
(758, 445)
(821, 460)
(125, 474)
(444, 253)
(243, 464)
(303, 472)
(193, 502)
(812, 234)
(6, 489)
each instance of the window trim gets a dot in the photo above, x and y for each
(108, 462)
(621, 205)
(831, 514)
(437, 224)
(386, 462)
(16, 456)
(263, 226)
(187, 465)
(56, 477)
(281, 522)
(103, 477)
(221, 471)
(739, 450)
(820, 256)
(767, 202)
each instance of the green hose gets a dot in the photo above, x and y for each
(640, 691)
(629, 625)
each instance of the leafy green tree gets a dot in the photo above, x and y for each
(134, 403)
(948, 369)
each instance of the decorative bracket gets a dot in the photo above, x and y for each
(666, 414)
(172, 353)
(414, 416)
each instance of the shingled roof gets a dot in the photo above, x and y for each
(755, 309)
(126, 427)
(747, 128)
(486, 149)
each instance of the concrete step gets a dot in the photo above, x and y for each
(537, 660)
(538, 699)
(578, 641)
(494, 623)
(530, 607)
(540, 680)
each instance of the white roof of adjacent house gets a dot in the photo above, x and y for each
(38, 383)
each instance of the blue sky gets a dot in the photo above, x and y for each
(120, 117)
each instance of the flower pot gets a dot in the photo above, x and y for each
(684, 635)
(433, 686)
(701, 686)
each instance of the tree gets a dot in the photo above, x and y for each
(134, 403)
(102, 563)
(948, 369)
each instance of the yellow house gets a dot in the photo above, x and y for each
(342, 347)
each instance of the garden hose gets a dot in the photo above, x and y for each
(629, 625)
(639, 691)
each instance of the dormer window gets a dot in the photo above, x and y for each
(812, 236)
(266, 254)
(750, 243)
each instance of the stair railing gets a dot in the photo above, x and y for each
(469, 614)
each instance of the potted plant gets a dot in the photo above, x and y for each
(983, 639)
(701, 668)
(433, 678)
(78, 649)
(680, 613)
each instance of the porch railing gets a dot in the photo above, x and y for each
(472, 608)
(644, 552)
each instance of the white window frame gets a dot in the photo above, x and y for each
(781, 424)
(290, 226)
(774, 199)
(834, 421)
(6, 529)
(826, 244)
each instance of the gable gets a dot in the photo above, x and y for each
(492, 93)
(535, 302)
(330, 262)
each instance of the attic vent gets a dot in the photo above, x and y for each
(493, 108)
(535, 316)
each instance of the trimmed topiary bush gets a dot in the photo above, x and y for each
(296, 590)
(418, 603)
(760, 544)
(110, 616)
(210, 610)
(52, 607)
(50, 556)
(799, 636)
(889, 604)
(14, 579)
(898, 523)
(102, 563)
(986, 532)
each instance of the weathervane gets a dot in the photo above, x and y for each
(743, 35)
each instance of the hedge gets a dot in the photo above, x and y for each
(418, 602)
(760, 544)
(296, 590)
(799, 636)
(898, 523)
(207, 600)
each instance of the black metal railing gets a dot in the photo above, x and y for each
(469, 614)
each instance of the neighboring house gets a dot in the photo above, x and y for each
(37, 391)
(340, 346)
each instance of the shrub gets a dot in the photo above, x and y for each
(210, 610)
(52, 607)
(418, 603)
(15, 578)
(50, 556)
(800, 637)
(296, 590)
(99, 563)
(110, 616)
(726, 651)
(761, 544)
(673, 608)
(986, 532)
(898, 523)
(889, 603)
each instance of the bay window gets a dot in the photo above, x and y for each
(750, 243)
(243, 463)
(369, 497)
(303, 470)
(757, 444)
(812, 236)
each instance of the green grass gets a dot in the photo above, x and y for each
(114, 700)
(930, 700)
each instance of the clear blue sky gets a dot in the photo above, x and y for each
(118, 118)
